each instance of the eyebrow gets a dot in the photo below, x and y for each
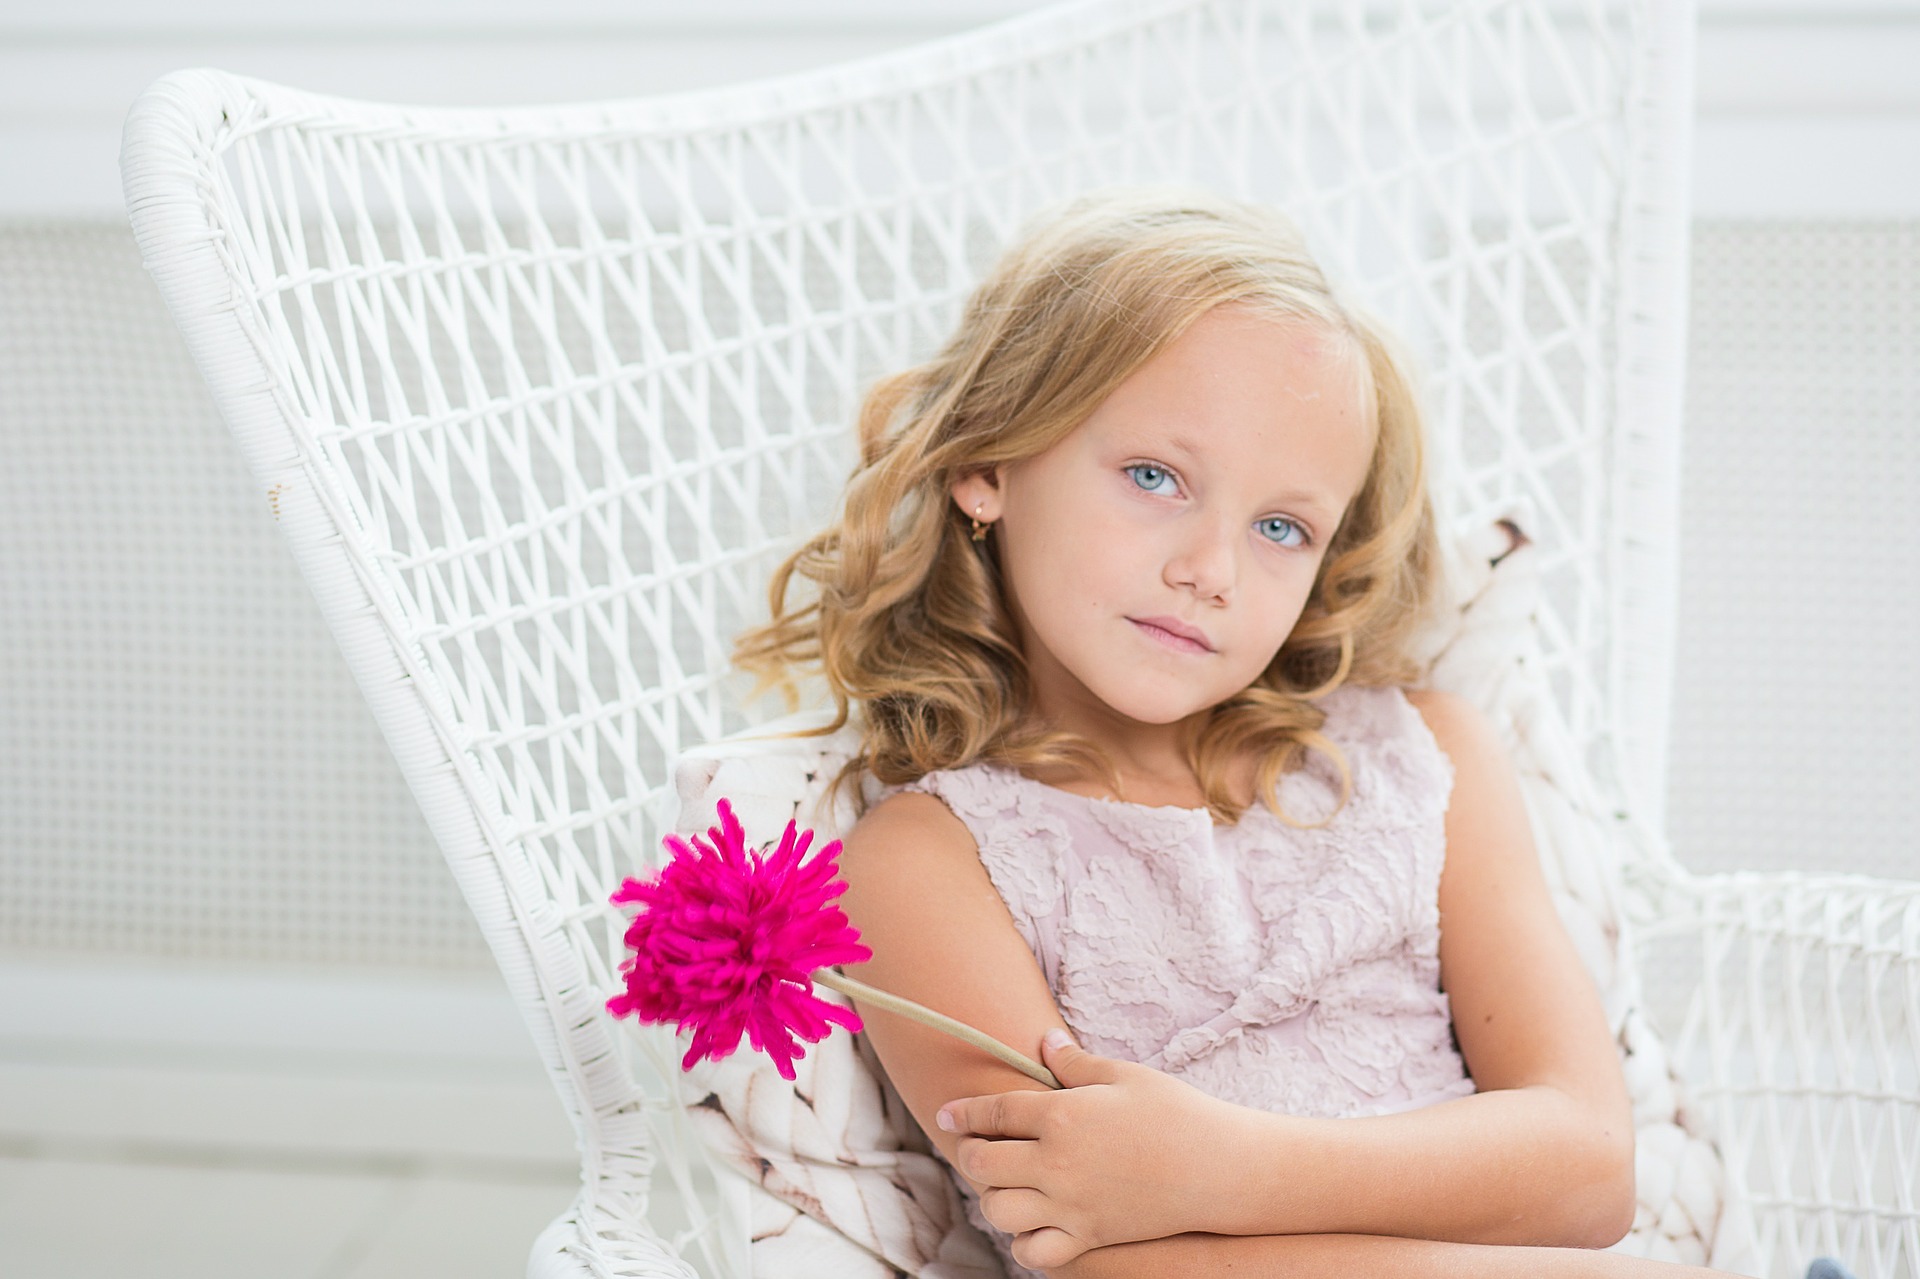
(1189, 450)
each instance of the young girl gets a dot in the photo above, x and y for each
(1123, 587)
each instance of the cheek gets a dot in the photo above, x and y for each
(1289, 600)
(1045, 571)
(1071, 556)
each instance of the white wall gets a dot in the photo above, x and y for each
(69, 73)
(1808, 108)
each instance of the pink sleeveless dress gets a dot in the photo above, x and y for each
(1290, 970)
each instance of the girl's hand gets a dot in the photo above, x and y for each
(1121, 1152)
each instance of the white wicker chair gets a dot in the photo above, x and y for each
(540, 395)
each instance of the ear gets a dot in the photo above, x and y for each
(977, 494)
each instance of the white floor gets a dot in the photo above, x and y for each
(167, 1124)
(74, 1217)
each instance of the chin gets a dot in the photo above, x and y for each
(1157, 711)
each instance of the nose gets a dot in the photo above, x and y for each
(1206, 560)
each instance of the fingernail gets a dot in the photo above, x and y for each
(945, 1120)
(1058, 1038)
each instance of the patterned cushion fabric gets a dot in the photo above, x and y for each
(843, 1183)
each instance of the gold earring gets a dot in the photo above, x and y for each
(979, 529)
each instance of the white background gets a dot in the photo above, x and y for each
(1807, 108)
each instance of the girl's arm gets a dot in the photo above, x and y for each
(1344, 1256)
(941, 936)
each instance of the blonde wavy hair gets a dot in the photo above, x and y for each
(910, 619)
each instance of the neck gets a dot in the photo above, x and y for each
(1150, 760)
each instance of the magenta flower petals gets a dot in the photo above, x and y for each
(727, 940)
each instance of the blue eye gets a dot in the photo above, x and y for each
(1151, 469)
(1285, 526)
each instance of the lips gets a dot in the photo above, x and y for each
(1174, 630)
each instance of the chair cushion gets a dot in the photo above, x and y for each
(843, 1182)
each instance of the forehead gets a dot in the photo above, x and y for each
(1239, 345)
(1245, 385)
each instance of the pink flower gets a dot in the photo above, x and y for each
(727, 941)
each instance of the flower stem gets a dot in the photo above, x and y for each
(939, 1021)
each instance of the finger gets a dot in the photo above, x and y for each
(996, 1161)
(1018, 1210)
(1045, 1248)
(1073, 1065)
(1005, 1114)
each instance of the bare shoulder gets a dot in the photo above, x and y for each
(1486, 819)
(914, 875)
(906, 843)
(1460, 728)
(904, 853)
(913, 821)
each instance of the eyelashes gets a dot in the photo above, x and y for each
(1286, 524)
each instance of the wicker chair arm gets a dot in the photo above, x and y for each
(1793, 1005)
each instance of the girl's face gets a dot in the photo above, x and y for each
(1199, 497)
